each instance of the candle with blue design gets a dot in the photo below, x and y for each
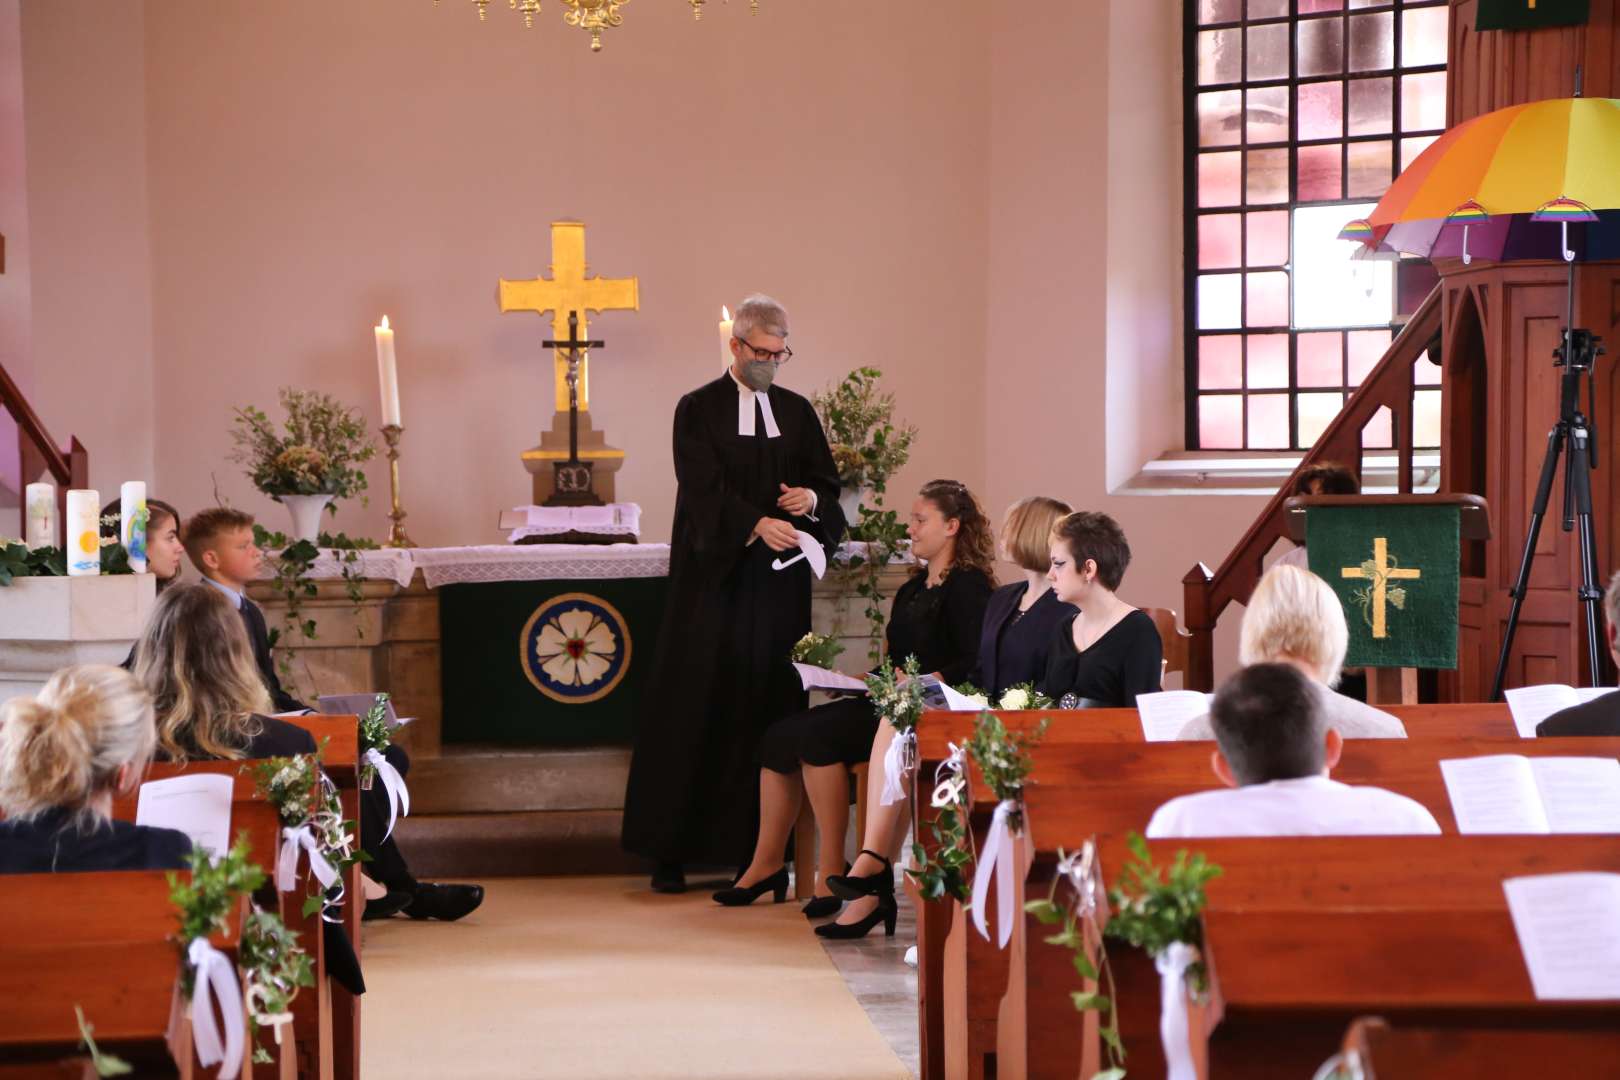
(82, 533)
(132, 520)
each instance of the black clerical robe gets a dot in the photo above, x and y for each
(723, 671)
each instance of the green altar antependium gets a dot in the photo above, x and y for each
(1395, 570)
(547, 663)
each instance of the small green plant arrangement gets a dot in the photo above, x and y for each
(291, 563)
(267, 964)
(867, 446)
(317, 451)
(897, 695)
(1022, 697)
(1004, 764)
(17, 560)
(306, 800)
(885, 537)
(817, 650)
(103, 1064)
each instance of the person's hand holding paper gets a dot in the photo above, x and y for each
(809, 548)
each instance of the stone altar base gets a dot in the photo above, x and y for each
(48, 623)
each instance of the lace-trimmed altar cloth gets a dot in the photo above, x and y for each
(538, 562)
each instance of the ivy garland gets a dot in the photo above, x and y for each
(291, 563)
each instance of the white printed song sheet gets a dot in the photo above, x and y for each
(819, 678)
(199, 806)
(1568, 927)
(1165, 713)
(1507, 793)
(1530, 705)
(1581, 794)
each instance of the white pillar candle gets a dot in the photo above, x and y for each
(132, 522)
(83, 533)
(387, 375)
(40, 510)
(725, 337)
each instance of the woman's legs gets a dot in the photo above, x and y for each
(828, 788)
(885, 825)
(779, 795)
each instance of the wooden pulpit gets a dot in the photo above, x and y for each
(1377, 567)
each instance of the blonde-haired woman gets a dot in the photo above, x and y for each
(64, 753)
(1294, 617)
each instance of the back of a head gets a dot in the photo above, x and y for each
(1327, 478)
(205, 527)
(1026, 534)
(1294, 613)
(1269, 724)
(65, 746)
(196, 661)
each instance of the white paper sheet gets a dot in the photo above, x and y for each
(1581, 794)
(1165, 713)
(1568, 927)
(810, 549)
(1530, 705)
(959, 702)
(1494, 794)
(357, 705)
(199, 806)
(817, 678)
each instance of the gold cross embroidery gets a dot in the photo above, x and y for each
(1380, 572)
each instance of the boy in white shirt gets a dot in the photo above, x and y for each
(1275, 752)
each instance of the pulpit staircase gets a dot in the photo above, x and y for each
(1389, 385)
(38, 453)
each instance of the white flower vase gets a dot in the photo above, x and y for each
(306, 513)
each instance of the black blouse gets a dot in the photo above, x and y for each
(1013, 648)
(939, 626)
(1119, 665)
(277, 739)
(52, 843)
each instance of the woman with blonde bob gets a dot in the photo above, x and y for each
(1294, 617)
(64, 754)
(196, 661)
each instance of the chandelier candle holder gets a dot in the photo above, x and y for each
(592, 16)
(397, 536)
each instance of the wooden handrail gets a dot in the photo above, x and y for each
(1389, 385)
(36, 450)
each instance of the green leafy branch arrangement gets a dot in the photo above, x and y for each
(20, 561)
(866, 445)
(1003, 760)
(291, 563)
(318, 451)
(267, 963)
(374, 735)
(1153, 908)
(302, 795)
(897, 695)
(885, 537)
(817, 650)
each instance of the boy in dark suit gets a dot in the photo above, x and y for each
(1601, 715)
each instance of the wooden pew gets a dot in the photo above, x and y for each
(1383, 1052)
(104, 942)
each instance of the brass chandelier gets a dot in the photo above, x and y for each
(590, 15)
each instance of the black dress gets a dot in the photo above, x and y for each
(939, 626)
(1014, 646)
(723, 672)
(1119, 665)
(52, 843)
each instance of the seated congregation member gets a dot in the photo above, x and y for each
(1014, 640)
(1323, 478)
(1601, 715)
(195, 659)
(64, 754)
(164, 552)
(1294, 617)
(936, 617)
(1109, 652)
(1275, 753)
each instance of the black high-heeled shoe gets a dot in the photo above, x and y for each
(742, 896)
(851, 887)
(819, 907)
(886, 912)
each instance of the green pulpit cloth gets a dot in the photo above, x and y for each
(1395, 570)
(547, 662)
(1530, 14)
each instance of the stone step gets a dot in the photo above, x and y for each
(537, 843)
(502, 780)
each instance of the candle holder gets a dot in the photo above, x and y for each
(397, 536)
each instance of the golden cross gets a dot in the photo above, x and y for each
(1382, 572)
(569, 289)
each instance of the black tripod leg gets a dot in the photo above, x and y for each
(1538, 510)
(1580, 483)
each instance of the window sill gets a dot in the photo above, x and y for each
(1262, 472)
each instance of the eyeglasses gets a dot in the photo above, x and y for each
(761, 354)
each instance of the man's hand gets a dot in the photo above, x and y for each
(778, 535)
(796, 501)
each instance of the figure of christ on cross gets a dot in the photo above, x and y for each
(573, 477)
(1382, 573)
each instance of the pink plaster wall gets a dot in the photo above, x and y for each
(14, 304)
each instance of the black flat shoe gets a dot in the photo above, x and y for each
(887, 912)
(739, 896)
(389, 904)
(446, 902)
(669, 877)
(819, 907)
(853, 888)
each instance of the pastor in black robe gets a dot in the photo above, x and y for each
(723, 671)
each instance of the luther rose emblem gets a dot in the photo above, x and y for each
(576, 648)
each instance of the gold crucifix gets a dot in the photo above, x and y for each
(1380, 572)
(570, 289)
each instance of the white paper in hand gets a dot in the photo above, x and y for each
(199, 806)
(809, 548)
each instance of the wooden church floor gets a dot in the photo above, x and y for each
(596, 977)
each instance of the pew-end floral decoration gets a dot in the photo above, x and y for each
(312, 822)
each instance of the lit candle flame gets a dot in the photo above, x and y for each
(385, 322)
(725, 313)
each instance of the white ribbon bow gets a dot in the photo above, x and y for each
(948, 778)
(1080, 867)
(996, 865)
(897, 762)
(1174, 1026)
(215, 980)
(399, 799)
(294, 838)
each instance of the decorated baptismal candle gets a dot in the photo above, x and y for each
(40, 503)
(83, 533)
(132, 519)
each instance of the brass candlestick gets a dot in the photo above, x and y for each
(397, 536)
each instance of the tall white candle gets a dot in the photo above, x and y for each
(83, 533)
(132, 522)
(725, 337)
(387, 375)
(40, 511)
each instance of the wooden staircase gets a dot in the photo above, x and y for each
(38, 453)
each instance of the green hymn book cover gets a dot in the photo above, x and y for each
(1530, 14)
(1395, 570)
